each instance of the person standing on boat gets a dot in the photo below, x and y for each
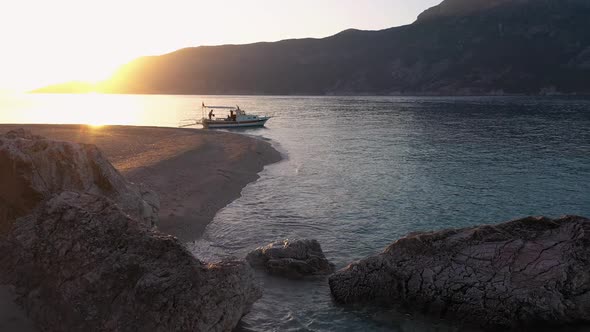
(211, 114)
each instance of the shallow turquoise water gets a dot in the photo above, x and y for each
(360, 172)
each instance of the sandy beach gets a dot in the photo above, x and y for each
(195, 172)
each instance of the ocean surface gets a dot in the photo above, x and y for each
(361, 172)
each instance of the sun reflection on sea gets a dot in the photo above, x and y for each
(104, 109)
(92, 109)
(95, 110)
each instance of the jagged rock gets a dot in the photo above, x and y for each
(80, 264)
(295, 259)
(79, 248)
(521, 273)
(22, 133)
(33, 169)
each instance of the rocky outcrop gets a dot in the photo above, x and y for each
(33, 169)
(79, 249)
(516, 274)
(294, 259)
(80, 263)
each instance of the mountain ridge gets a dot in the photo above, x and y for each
(456, 8)
(459, 47)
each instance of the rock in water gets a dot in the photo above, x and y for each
(295, 259)
(516, 274)
(79, 263)
(33, 169)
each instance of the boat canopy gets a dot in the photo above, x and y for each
(222, 107)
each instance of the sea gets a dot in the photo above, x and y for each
(361, 172)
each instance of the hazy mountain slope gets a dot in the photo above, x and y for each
(458, 47)
(450, 8)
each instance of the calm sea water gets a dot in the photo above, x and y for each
(361, 172)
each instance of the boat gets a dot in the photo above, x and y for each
(237, 118)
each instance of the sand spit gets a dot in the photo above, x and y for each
(195, 172)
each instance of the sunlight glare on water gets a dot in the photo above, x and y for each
(94, 109)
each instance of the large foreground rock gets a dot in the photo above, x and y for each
(294, 259)
(521, 273)
(77, 245)
(80, 263)
(33, 169)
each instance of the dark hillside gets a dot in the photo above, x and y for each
(458, 47)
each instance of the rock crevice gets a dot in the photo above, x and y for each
(522, 273)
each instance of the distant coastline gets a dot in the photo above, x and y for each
(356, 94)
(460, 48)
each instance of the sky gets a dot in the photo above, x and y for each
(51, 41)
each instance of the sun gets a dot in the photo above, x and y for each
(95, 125)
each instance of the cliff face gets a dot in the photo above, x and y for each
(458, 47)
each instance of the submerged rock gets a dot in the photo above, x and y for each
(517, 274)
(80, 263)
(33, 169)
(295, 259)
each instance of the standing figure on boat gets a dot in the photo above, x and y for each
(236, 118)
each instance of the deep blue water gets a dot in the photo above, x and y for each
(361, 172)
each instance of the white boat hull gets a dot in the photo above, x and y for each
(213, 124)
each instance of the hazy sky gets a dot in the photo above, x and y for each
(48, 41)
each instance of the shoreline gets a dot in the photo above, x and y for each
(195, 173)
